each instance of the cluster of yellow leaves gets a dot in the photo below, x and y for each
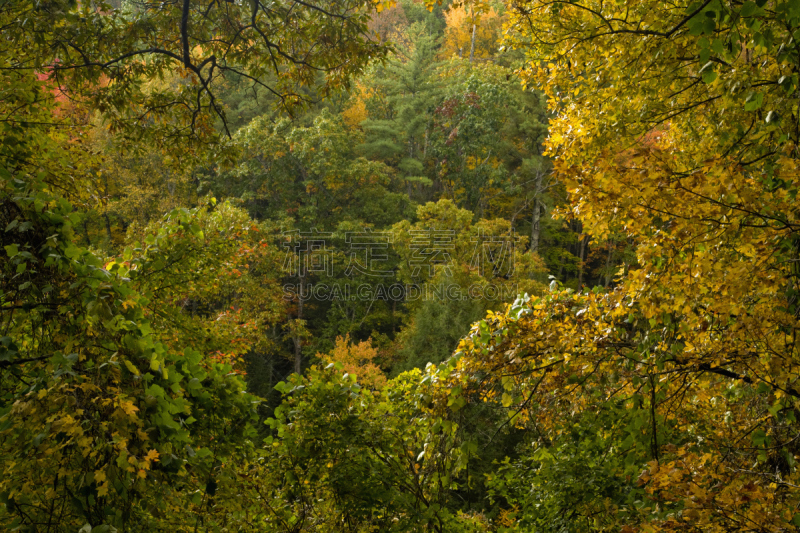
(700, 481)
(357, 112)
(462, 21)
(116, 434)
(357, 360)
(560, 339)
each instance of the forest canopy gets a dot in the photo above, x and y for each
(411, 266)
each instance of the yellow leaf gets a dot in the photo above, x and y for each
(507, 399)
(129, 408)
(131, 367)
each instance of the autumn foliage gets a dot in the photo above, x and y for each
(166, 364)
(357, 359)
(473, 30)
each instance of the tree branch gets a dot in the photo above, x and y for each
(187, 60)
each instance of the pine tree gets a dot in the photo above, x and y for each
(399, 129)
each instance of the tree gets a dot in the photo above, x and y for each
(106, 390)
(402, 96)
(473, 30)
(390, 24)
(118, 402)
(311, 180)
(356, 359)
(461, 269)
(205, 41)
(667, 131)
(346, 458)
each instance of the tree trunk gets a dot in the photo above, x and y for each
(86, 232)
(472, 45)
(535, 229)
(270, 374)
(538, 207)
(608, 263)
(298, 355)
(582, 256)
(298, 342)
(108, 225)
(105, 207)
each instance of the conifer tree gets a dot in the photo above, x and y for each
(399, 128)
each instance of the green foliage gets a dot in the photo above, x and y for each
(576, 482)
(95, 405)
(120, 407)
(406, 93)
(116, 59)
(434, 330)
(345, 458)
(310, 175)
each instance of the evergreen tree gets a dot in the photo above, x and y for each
(399, 128)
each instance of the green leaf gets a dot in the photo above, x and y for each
(709, 76)
(750, 9)
(72, 251)
(457, 402)
(470, 447)
(758, 437)
(754, 101)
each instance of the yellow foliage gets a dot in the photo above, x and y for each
(356, 359)
(460, 23)
(356, 112)
(695, 163)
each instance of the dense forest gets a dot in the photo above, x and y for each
(399, 266)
